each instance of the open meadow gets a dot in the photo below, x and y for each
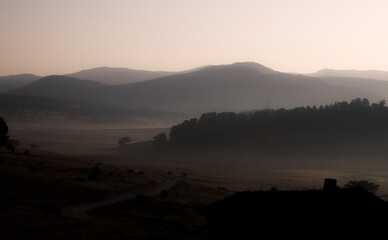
(80, 184)
(286, 168)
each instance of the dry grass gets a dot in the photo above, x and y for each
(37, 187)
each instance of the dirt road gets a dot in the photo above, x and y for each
(80, 211)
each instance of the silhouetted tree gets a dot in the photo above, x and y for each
(369, 186)
(124, 140)
(3, 132)
(163, 194)
(160, 139)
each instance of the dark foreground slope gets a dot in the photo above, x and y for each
(311, 213)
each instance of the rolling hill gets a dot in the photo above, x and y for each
(10, 82)
(368, 74)
(62, 87)
(235, 87)
(117, 76)
(46, 112)
(379, 87)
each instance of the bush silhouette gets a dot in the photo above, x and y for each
(94, 173)
(140, 199)
(124, 140)
(3, 132)
(369, 186)
(10, 148)
(160, 139)
(163, 194)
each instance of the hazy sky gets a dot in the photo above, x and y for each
(55, 37)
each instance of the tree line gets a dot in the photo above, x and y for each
(341, 121)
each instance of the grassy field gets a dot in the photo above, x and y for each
(35, 188)
(80, 141)
(236, 169)
(260, 169)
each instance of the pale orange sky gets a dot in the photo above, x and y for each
(56, 37)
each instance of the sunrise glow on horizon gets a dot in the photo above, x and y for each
(46, 37)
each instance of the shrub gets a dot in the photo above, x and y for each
(163, 194)
(94, 173)
(123, 141)
(3, 132)
(140, 199)
(160, 139)
(369, 186)
(10, 148)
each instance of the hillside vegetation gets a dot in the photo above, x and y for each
(341, 121)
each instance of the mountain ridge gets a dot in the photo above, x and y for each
(235, 87)
(117, 76)
(10, 82)
(366, 74)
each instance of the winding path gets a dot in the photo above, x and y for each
(80, 211)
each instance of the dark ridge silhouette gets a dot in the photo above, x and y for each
(117, 76)
(313, 213)
(10, 82)
(338, 122)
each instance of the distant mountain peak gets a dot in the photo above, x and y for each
(11, 82)
(254, 65)
(350, 73)
(239, 87)
(241, 65)
(117, 76)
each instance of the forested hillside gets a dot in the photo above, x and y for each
(341, 121)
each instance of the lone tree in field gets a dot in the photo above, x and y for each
(160, 139)
(124, 140)
(3, 132)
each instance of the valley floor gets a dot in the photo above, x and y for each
(37, 187)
